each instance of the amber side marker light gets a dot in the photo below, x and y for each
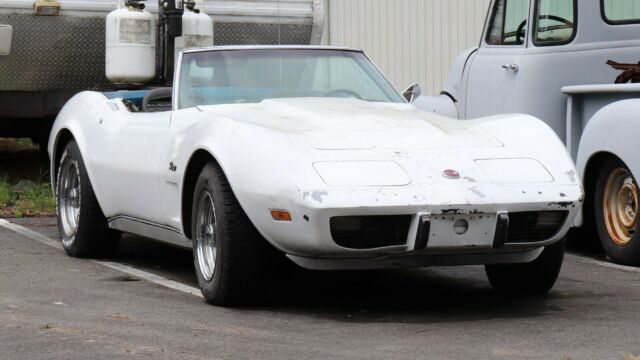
(281, 215)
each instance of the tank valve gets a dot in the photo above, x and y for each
(191, 5)
(136, 4)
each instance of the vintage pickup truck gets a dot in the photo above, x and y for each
(540, 57)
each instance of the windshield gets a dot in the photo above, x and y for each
(252, 75)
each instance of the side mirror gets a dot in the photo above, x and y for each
(412, 93)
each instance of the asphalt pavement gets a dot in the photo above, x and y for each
(56, 307)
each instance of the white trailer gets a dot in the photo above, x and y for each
(51, 49)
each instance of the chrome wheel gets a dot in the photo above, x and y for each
(69, 199)
(206, 236)
(620, 206)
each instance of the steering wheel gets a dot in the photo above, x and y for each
(520, 32)
(346, 93)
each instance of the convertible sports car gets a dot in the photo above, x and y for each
(261, 152)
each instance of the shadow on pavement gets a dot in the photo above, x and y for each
(427, 295)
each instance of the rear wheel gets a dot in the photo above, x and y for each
(81, 223)
(536, 277)
(231, 259)
(616, 212)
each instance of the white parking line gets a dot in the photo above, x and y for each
(156, 279)
(604, 263)
(31, 234)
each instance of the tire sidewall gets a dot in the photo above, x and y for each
(535, 278)
(629, 253)
(208, 182)
(71, 153)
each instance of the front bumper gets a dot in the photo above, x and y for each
(308, 237)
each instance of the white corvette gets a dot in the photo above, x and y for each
(308, 152)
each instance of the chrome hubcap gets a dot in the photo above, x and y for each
(206, 237)
(69, 200)
(620, 206)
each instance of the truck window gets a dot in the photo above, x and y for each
(508, 22)
(617, 12)
(555, 22)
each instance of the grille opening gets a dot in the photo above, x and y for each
(368, 232)
(534, 225)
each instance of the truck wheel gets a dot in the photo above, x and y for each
(616, 212)
(230, 257)
(536, 277)
(81, 223)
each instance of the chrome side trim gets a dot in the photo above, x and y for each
(163, 233)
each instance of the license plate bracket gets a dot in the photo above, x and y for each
(446, 230)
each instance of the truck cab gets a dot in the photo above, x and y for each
(529, 51)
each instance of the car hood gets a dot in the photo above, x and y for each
(351, 124)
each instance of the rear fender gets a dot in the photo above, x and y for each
(615, 129)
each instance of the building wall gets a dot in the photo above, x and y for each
(410, 40)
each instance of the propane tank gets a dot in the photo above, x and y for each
(131, 44)
(197, 28)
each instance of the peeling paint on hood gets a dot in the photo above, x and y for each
(351, 124)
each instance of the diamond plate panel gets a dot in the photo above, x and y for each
(62, 52)
(51, 53)
(228, 33)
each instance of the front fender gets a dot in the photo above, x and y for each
(454, 85)
(441, 105)
(453, 95)
(74, 118)
(615, 130)
(261, 180)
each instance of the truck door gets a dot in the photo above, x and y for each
(493, 74)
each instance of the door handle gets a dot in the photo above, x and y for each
(512, 67)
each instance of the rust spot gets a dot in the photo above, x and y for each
(563, 204)
(452, 211)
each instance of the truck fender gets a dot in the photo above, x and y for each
(614, 130)
(452, 96)
(442, 105)
(454, 85)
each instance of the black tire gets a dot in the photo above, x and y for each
(92, 237)
(244, 259)
(535, 278)
(626, 254)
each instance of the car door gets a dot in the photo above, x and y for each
(492, 84)
(126, 162)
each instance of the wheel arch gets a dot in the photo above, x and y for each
(198, 160)
(589, 180)
(63, 137)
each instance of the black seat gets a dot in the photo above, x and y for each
(158, 99)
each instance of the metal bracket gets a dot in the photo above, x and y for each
(502, 229)
(424, 230)
(6, 34)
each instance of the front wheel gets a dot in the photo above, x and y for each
(616, 212)
(230, 257)
(536, 277)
